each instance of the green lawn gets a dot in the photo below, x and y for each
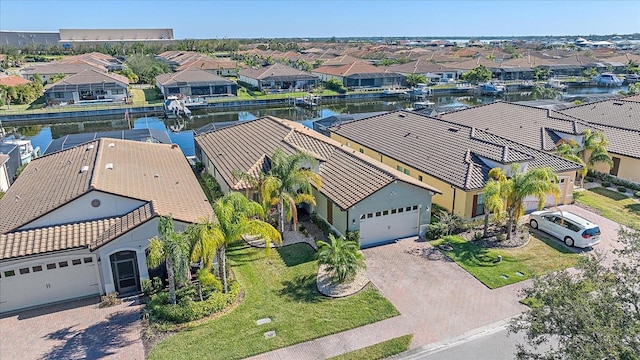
(378, 351)
(612, 205)
(281, 286)
(539, 256)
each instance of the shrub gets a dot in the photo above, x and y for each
(109, 300)
(622, 189)
(151, 286)
(606, 184)
(436, 231)
(341, 257)
(186, 310)
(208, 280)
(588, 179)
(637, 194)
(321, 223)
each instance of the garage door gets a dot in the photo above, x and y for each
(56, 279)
(387, 225)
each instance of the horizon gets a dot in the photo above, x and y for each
(327, 19)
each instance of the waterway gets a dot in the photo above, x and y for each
(41, 135)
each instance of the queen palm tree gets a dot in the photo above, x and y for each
(172, 248)
(492, 201)
(235, 216)
(288, 183)
(592, 152)
(514, 189)
(341, 256)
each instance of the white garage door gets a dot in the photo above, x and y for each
(388, 225)
(56, 279)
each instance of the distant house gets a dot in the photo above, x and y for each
(195, 82)
(426, 68)
(47, 71)
(89, 86)
(77, 223)
(278, 76)
(357, 193)
(451, 157)
(181, 60)
(108, 62)
(13, 80)
(359, 75)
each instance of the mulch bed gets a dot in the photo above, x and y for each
(518, 239)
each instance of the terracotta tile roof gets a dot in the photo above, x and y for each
(635, 98)
(248, 145)
(4, 158)
(13, 80)
(353, 69)
(276, 70)
(621, 113)
(207, 63)
(622, 141)
(527, 125)
(420, 66)
(90, 234)
(157, 173)
(445, 150)
(192, 76)
(62, 68)
(472, 64)
(91, 76)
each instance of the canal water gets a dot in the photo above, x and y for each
(41, 135)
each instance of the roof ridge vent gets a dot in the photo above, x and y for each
(84, 169)
(90, 147)
(109, 166)
(112, 144)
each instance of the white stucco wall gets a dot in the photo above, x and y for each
(248, 80)
(4, 178)
(395, 195)
(81, 209)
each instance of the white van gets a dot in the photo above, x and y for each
(568, 227)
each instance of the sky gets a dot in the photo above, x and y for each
(308, 19)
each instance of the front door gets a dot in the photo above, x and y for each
(616, 166)
(124, 266)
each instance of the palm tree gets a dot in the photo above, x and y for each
(415, 79)
(592, 152)
(288, 183)
(594, 149)
(172, 248)
(536, 182)
(203, 237)
(542, 92)
(236, 216)
(341, 256)
(492, 201)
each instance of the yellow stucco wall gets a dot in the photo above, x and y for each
(463, 206)
(629, 168)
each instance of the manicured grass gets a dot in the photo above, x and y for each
(281, 286)
(378, 351)
(539, 256)
(612, 205)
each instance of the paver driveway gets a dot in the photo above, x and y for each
(73, 330)
(437, 299)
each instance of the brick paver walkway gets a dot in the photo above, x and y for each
(73, 330)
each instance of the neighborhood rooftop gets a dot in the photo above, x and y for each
(247, 146)
(616, 113)
(450, 152)
(157, 173)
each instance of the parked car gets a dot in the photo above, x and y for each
(568, 227)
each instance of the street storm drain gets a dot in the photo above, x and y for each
(519, 273)
(504, 276)
(270, 334)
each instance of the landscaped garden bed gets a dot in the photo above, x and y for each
(498, 266)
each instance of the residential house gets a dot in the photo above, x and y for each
(88, 86)
(359, 75)
(452, 157)
(619, 120)
(278, 77)
(52, 69)
(97, 59)
(357, 193)
(14, 162)
(5, 179)
(78, 222)
(195, 82)
(13, 80)
(426, 68)
(221, 67)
